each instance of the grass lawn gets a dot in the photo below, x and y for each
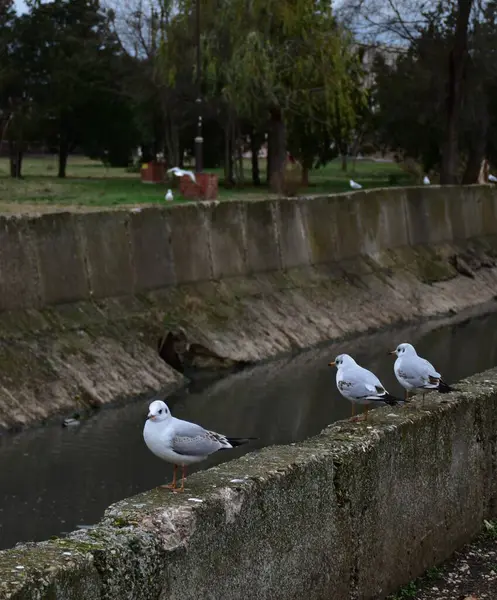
(90, 185)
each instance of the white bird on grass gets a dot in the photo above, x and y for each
(417, 374)
(354, 185)
(181, 442)
(359, 385)
(180, 172)
(426, 180)
(492, 178)
(169, 196)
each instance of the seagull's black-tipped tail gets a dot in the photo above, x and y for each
(443, 388)
(391, 400)
(239, 441)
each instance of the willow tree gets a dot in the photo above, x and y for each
(285, 63)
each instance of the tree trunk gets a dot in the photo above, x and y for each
(477, 145)
(457, 64)
(15, 159)
(344, 162)
(268, 158)
(146, 153)
(254, 151)
(305, 175)
(239, 155)
(172, 145)
(63, 153)
(228, 156)
(276, 150)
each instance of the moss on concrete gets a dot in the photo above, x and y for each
(407, 487)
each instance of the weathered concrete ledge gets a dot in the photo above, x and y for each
(355, 512)
(85, 297)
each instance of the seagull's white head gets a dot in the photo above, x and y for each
(158, 411)
(404, 350)
(342, 360)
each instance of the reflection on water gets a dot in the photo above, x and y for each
(54, 478)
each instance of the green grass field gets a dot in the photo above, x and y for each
(90, 185)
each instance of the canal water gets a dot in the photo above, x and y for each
(54, 479)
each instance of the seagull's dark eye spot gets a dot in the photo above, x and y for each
(160, 411)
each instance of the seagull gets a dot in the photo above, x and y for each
(415, 373)
(181, 442)
(180, 172)
(359, 385)
(169, 196)
(492, 178)
(426, 181)
(354, 185)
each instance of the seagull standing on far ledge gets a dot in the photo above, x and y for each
(426, 181)
(492, 178)
(169, 196)
(180, 172)
(359, 385)
(354, 185)
(181, 442)
(417, 374)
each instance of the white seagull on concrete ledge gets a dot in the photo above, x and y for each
(181, 442)
(426, 180)
(417, 374)
(169, 196)
(180, 172)
(492, 178)
(354, 185)
(359, 385)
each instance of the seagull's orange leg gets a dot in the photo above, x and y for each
(183, 477)
(354, 418)
(407, 396)
(171, 486)
(366, 412)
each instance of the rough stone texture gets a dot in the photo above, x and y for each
(106, 246)
(262, 240)
(19, 276)
(229, 256)
(355, 512)
(60, 258)
(294, 241)
(153, 264)
(190, 239)
(321, 269)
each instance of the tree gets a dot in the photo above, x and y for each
(282, 63)
(405, 23)
(13, 103)
(70, 58)
(458, 58)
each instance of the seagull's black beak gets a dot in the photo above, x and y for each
(331, 364)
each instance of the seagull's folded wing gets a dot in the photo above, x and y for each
(418, 372)
(193, 440)
(355, 385)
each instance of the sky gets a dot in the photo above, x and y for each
(20, 6)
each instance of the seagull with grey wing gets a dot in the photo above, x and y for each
(416, 374)
(359, 385)
(181, 443)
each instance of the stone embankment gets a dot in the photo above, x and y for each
(355, 512)
(85, 298)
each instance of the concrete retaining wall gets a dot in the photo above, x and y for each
(64, 257)
(84, 298)
(355, 512)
